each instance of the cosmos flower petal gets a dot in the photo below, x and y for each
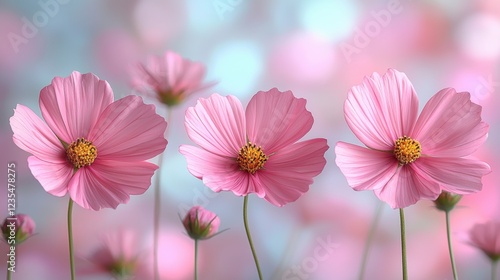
(365, 169)
(193, 72)
(53, 176)
(288, 173)
(486, 237)
(33, 136)
(277, 119)
(405, 188)
(219, 173)
(72, 105)
(169, 77)
(217, 124)
(454, 175)
(129, 130)
(450, 125)
(106, 184)
(381, 109)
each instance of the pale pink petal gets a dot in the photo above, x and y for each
(450, 125)
(129, 130)
(217, 124)
(454, 175)
(365, 169)
(72, 105)
(53, 176)
(106, 184)
(486, 237)
(406, 187)
(33, 136)
(219, 173)
(382, 109)
(289, 172)
(277, 119)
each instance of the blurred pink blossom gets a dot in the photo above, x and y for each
(254, 151)
(409, 158)
(169, 78)
(90, 146)
(486, 237)
(120, 255)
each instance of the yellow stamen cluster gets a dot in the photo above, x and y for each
(406, 150)
(81, 153)
(251, 158)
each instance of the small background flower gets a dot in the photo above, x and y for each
(486, 237)
(169, 78)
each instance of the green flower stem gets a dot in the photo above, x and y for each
(448, 235)
(157, 206)
(494, 270)
(9, 273)
(70, 239)
(403, 243)
(196, 259)
(245, 221)
(369, 240)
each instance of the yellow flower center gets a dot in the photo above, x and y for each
(81, 153)
(251, 158)
(406, 150)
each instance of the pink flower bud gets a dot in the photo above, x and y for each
(17, 229)
(200, 223)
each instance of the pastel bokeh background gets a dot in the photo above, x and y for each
(318, 49)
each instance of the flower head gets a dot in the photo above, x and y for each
(17, 229)
(446, 201)
(408, 158)
(118, 255)
(254, 150)
(201, 223)
(486, 237)
(90, 146)
(170, 78)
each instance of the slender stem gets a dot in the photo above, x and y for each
(157, 205)
(403, 243)
(369, 239)
(245, 221)
(450, 248)
(494, 270)
(70, 238)
(9, 273)
(196, 259)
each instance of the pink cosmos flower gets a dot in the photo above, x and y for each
(201, 223)
(90, 146)
(119, 255)
(170, 78)
(254, 151)
(409, 158)
(486, 237)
